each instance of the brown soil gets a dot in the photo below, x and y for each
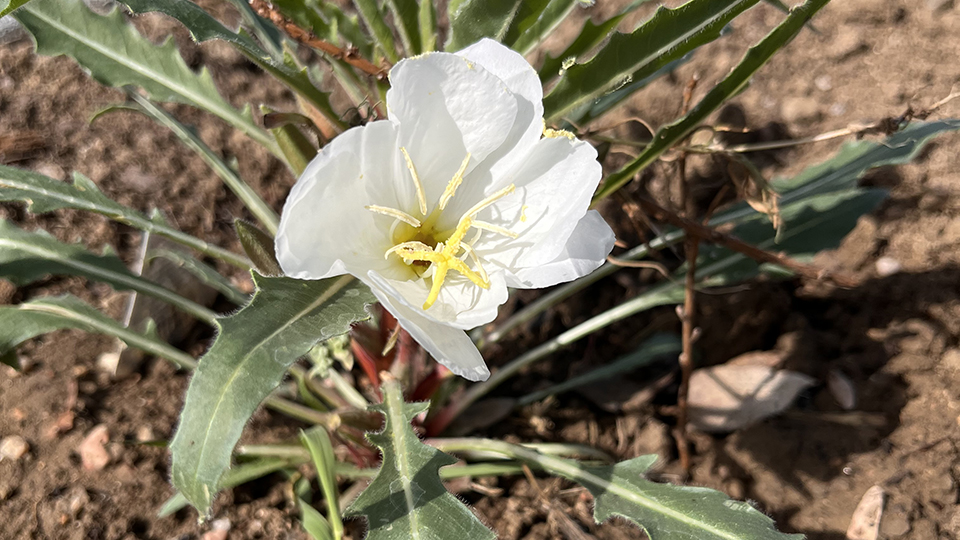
(894, 337)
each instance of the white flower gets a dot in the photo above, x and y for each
(459, 195)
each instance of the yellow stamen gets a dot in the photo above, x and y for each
(454, 183)
(421, 197)
(494, 228)
(447, 254)
(488, 201)
(394, 213)
(476, 260)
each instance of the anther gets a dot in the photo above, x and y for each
(394, 213)
(421, 197)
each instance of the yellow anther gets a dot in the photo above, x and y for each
(554, 133)
(394, 213)
(493, 228)
(454, 183)
(421, 197)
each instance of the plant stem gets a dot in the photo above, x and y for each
(241, 189)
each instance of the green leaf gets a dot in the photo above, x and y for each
(428, 25)
(253, 349)
(203, 27)
(407, 499)
(535, 20)
(472, 20)
(241, 474)
(651, 349)
(318, 444)
(26, 257)
(587, 39)
(203, 272)
(10, 5)
(259, 247)
(373, 17)
(314, 523)
(755, 58)
(44, 194)
(406, 15)
(115, 54)
(241, 189)
(31, 319)
(296, 148)
(667, 36)
(667, 511)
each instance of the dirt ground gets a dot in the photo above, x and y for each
(895, 337)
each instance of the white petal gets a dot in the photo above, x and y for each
(446, 106)
(554, 185)
(520, 77)
(585, 251)
(325, 229)
(461, 304)
(449, 346)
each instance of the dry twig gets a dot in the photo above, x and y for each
(349, 55)
(708, 234)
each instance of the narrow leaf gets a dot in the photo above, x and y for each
(667, 36)
(314, 523)
(428, 25)
(373, 18)
(259, 247)
(241, 189)
(587, 39)
(26, 257)
(241, 474)
(10, 5)
(253, 349)
(204, 27)
(115, 54)
(407, 499)
(535, 21)
(203, 272)
(755, 58)
(667, 511)
(406, 15)
(296, 148)
(31, 319)
(318, 443)
(472, 20)
(44, 194)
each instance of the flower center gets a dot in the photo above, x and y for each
(414, 237)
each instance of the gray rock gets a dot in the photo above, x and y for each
(11, 31)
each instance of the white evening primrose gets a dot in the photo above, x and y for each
(459, 195)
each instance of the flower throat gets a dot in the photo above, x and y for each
(413, 237)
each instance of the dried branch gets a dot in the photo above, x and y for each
(349, 55)
(708, 234)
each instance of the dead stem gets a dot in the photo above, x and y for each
(705, 233)
(349, 55)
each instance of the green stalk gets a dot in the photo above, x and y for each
(134, 339)
(241, 189)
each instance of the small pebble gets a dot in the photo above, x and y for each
(13, 447)
(93, 452)
(11, 31)
(823, 82)
(887, 266)
(218, 530)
